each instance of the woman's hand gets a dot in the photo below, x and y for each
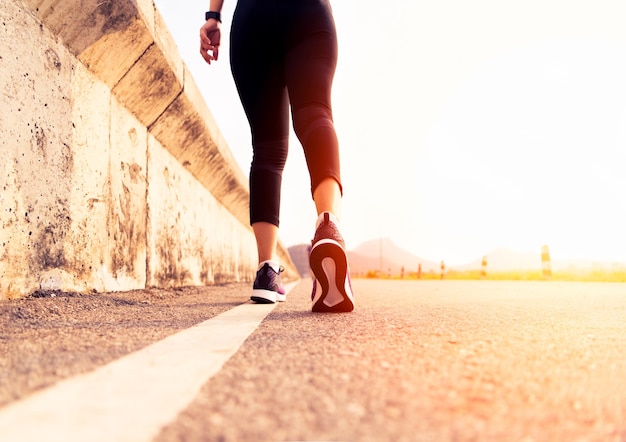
(210, 35)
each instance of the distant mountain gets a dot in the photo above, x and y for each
(383, 254)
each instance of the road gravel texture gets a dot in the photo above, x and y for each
(427, 361)
(416, 361)
(53, 335)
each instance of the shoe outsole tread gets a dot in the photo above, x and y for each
(260, 300)
(335, 282)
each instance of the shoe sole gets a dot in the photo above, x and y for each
(262, 296)
(329, 264)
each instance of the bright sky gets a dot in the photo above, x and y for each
(464, 126)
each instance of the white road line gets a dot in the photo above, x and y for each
(132, 398)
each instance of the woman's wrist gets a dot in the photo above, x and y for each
(215, 15)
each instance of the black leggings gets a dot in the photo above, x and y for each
(284, 52)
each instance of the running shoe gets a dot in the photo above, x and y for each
(332, 290)
(268, 286)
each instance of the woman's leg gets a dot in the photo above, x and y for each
(310, 68)
(259, 76)
(327, 197)
(266, 235)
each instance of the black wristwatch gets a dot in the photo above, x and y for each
(212, 14)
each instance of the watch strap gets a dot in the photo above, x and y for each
(213, 14)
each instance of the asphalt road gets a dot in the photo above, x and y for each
(416, 360)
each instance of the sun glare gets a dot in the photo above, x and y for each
(464, 126)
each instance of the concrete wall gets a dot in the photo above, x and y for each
(114, 175)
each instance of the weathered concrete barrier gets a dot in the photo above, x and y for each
(114, 173)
